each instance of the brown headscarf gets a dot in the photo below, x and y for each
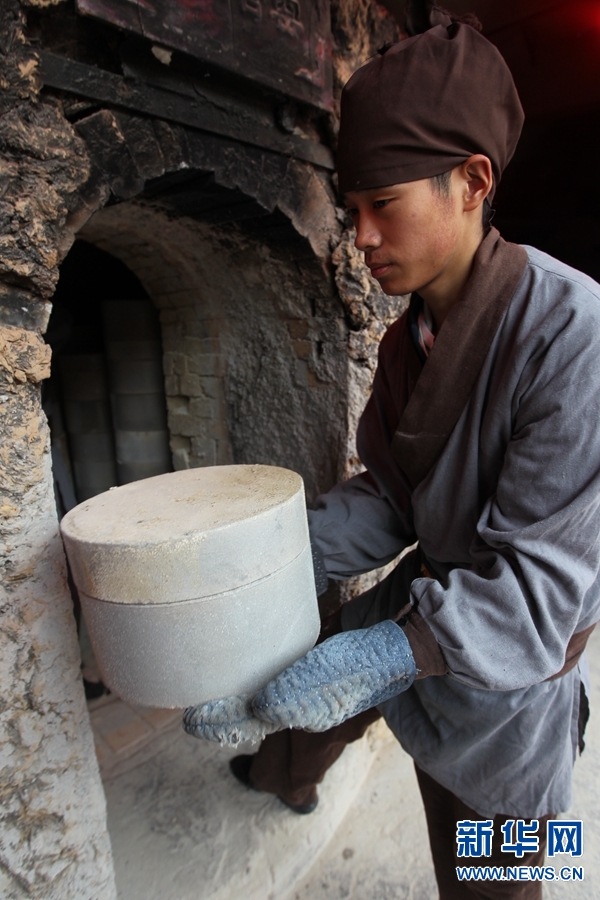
(424, 106)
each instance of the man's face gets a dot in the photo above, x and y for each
(409, 233)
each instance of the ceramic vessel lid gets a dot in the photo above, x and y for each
(187, 534)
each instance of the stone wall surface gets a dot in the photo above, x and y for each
(53, 839)
(369, 312)
(359, 28)
(127, 151)
(43, 164)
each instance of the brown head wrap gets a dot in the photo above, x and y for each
(424, 106)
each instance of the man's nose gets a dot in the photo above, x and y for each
(367, 235)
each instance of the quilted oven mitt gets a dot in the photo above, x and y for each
(343, 676)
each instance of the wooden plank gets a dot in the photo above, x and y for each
(284, 44)
(196, 112)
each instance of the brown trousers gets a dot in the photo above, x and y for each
(292, 763)
(442, 811)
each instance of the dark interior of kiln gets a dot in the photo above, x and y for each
(105, 400)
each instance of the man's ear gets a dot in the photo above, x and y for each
(478, 180)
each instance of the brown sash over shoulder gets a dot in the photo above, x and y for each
(455, 361)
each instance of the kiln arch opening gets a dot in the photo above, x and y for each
(105, 400)
(253, 333)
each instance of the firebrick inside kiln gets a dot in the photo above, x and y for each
(105, 400)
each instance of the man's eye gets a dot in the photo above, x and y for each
(379, 204)
(352, 212)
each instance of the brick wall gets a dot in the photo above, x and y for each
(255, 342)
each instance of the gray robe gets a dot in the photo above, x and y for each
(508, 519)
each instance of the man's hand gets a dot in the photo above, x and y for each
(343, 676)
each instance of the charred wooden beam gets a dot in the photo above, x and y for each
(195, 112)
(286, 47)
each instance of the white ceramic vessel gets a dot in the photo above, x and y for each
(197, 584)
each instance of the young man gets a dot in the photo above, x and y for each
(481, 443)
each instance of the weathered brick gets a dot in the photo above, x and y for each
(191, 386)
(313, 380)
(188, 426)
(180, 298)
(197, 346)
(178, 405)
(199, 328)
(203, 407)
(219, 429)
(210, 386)
(174, 364)
(178, 443)
(195, 313)
(248, 293)
(204, 452)
(181, 460)
(169, 316)
(166, 283)
(202, 363)
(298, 328)
(171, 339)
(172, 388)
(302, 349)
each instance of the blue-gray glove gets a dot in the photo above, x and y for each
(343, 676)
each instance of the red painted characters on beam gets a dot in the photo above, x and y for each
(204, 13)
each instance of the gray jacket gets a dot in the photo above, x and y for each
(508, 519)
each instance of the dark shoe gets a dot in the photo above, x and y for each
(240, 767)
(303, 809)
